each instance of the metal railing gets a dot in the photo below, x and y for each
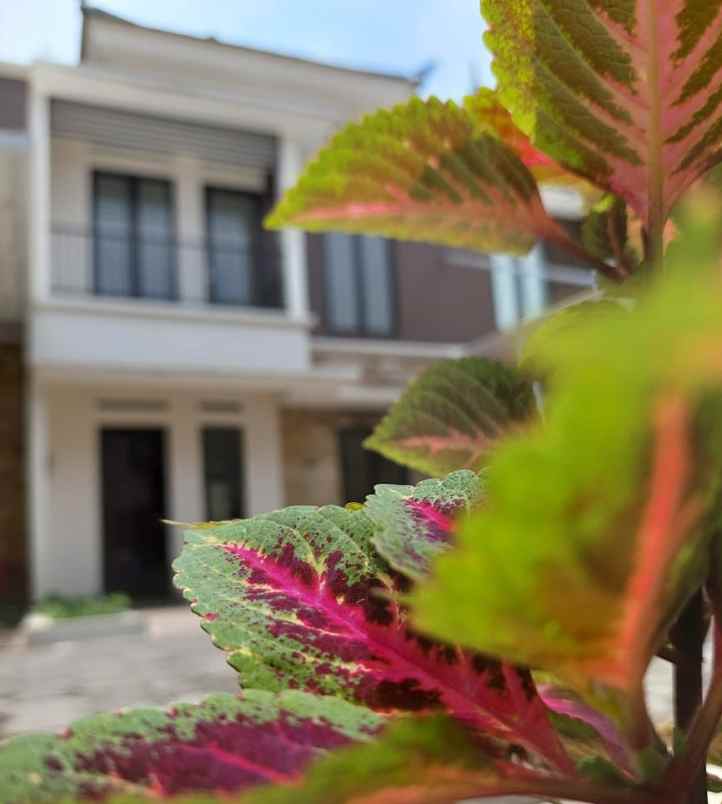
(110, 264)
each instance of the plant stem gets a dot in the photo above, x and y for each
(616, 273)
(688, 637)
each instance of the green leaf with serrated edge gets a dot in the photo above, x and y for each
(453, 415)
(415, 524)
(627, 93)
(297, 598)
(424, 170)
(593, 535)
(226, 744)
(489, 116)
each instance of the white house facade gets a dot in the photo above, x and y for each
(176, 362)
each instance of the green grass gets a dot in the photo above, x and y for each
(64, 608)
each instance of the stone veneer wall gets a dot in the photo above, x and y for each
(312, 467)
(13, 556)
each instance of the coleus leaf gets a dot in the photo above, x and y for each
(453, 415)
(593, 533)
(627, 94)
(411, 751)
(424, 760)
(488, 115)
(298, 598)
(416, 523)
(226, 744)
(424, 170)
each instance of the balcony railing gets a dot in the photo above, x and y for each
(111, 265)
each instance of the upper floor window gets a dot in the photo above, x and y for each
(359, 285)
(524, 287)
(233, 227)
(134, 237)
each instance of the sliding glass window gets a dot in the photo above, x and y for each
(359, 284)
(134, 237)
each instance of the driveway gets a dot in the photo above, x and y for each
(44, 687)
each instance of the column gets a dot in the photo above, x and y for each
(192, 264)
(37, 487)
(503, 285)
(185, 479)
(39, 212)
(293, 242)
(264, 455)
(533, 286)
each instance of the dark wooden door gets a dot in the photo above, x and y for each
(362, 469)
(133, 479)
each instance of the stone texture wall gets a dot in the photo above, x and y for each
(13, 556)
(312, 467)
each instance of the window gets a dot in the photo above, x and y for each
(363, 469)
(134, 248)
(359, 286)
(518, 287)
(523, 287)
(223, 470)
(233, 229)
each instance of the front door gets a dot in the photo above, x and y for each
(133, 480)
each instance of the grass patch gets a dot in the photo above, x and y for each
(66, 608)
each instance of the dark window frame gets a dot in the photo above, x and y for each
(135, 238)
(255, 263)
(362, 331)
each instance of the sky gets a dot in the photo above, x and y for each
(396, 35)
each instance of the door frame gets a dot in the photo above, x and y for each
(166, 430)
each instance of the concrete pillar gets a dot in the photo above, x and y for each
(38, 486)
(533, 286)
(293, 242)
(185, 472)
(73, 538)
(264, 455)
(39, 217)
(191, 257)
(503, 285)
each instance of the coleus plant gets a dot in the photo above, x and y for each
(487, 632)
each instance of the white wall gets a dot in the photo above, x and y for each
(67, 554)
(150, 337)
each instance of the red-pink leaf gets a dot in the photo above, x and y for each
(299, 602)
(223, 745)
(628, 94)
(415, 524)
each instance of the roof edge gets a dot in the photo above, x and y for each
(89, 12)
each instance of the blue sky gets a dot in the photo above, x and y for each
(398, 35)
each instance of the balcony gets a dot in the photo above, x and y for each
(153, 304)
(108, 265)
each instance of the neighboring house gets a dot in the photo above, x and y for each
(161, 356)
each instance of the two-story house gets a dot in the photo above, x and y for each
(162, 356)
